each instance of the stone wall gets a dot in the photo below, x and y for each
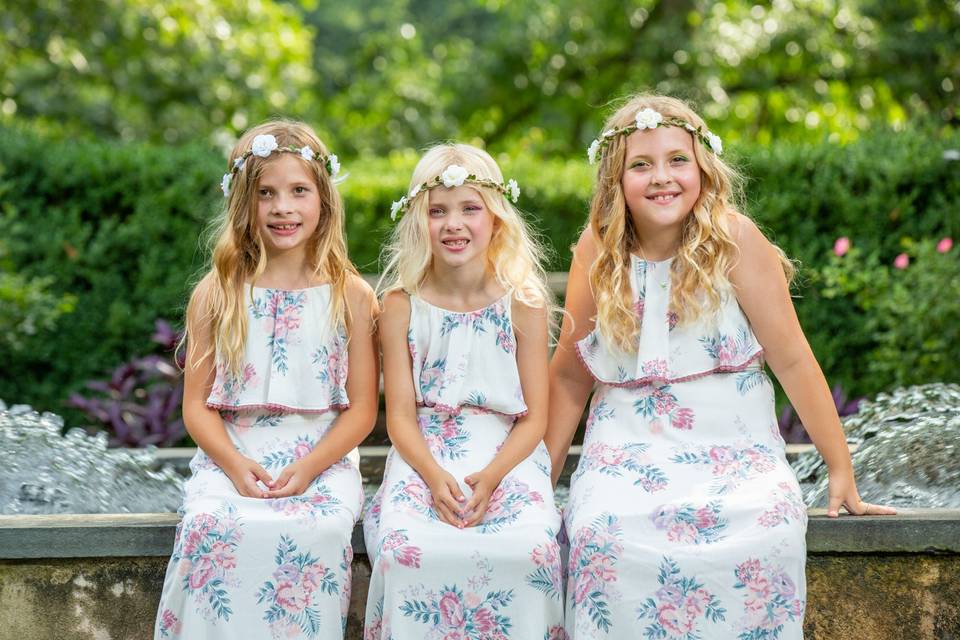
(98, 577)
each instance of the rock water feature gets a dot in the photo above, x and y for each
(45, 472)
(908, 455)
(908, 450)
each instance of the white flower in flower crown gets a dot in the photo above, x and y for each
(225, 184)
(454, 176)
(689, 127)
(592, 151)
(238, 164)
(306, 153)
(647, 118)
(716, 145)
(609, 133)
(263, 145)
(334, 164)
(513, 190)
(415, 191)
(397, 206)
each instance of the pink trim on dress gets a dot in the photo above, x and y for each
(445, 408)
(639, 382)
(279, 408)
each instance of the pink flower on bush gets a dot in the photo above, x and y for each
(841, 246)
(901, 261)
(945, 245)
(451, 610)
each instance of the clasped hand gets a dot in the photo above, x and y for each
(450, 503)
(246, 475)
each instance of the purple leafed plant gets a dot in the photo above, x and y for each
(792, 429)
(141, 402)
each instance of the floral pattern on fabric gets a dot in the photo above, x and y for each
(169, 624)
(396, 542)
(689, 524)
(729, 350)
(506, 503)
(495, 316)
(654, 402)
(227, 387)
(786, 506)
(414, 495)
(556, 632)
(332, 363)
(291, 592)
(207, 547)
(770, 599)
(678, 606)
(314, 504)
(458, 613)
(731, 466)
(280, 312)
(548, 576)
(444, 434)
(594, 551)
(615, 461)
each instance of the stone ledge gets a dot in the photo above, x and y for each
(913, 531)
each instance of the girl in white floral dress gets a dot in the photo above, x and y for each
(462, 533)
(684, 519)
(280, 388)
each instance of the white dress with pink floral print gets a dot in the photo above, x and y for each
(270, 568)
(501, 579)
(684, 519)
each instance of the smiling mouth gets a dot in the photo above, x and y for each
(285, 227)
(665, 197)
(455, 244)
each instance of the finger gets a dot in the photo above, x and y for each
(478, 514)
(475, 500)
(455, 491)
(285, 492)
(868, 509)
(471, 479)
(833, 508)
(444, 512)
(282, 479)
(253, 490)
(262, 474)
(455, 508)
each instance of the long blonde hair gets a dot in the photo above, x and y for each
(514, 256)
(707, 252)
(238, 254)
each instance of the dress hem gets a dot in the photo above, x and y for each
(637, 382)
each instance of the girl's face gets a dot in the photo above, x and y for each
(288, 204)
(460, 225)
(661, 178)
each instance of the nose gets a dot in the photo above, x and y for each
(282, 204)
(661, 174)
(453, 221)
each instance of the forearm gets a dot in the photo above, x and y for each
(567, 400)
(410, 444)
(810, 396)
(349, 429)
(524, 437)
(206, 428)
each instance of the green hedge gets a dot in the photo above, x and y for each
(117, 226)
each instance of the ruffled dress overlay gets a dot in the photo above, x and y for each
(270, 568)
(684, 518)
(502, 578)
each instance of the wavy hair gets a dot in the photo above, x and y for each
(238, 253)
(514, 255)
(706, 254)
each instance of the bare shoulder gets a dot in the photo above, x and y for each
(396, 305)
(524, 312)
(586, 249)
(745, 233)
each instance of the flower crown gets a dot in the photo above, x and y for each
(453, 176)
(647, 118)
(265, 144)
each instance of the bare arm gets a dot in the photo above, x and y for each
(764, 295)
(203, 424)
(402, 409)
(570, 382)
(530, 328)
(363, 377)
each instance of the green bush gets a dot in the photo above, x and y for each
(117, 226)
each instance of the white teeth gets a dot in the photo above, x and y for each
(455, 243)
(284, 227)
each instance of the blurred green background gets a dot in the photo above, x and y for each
(115, 117)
